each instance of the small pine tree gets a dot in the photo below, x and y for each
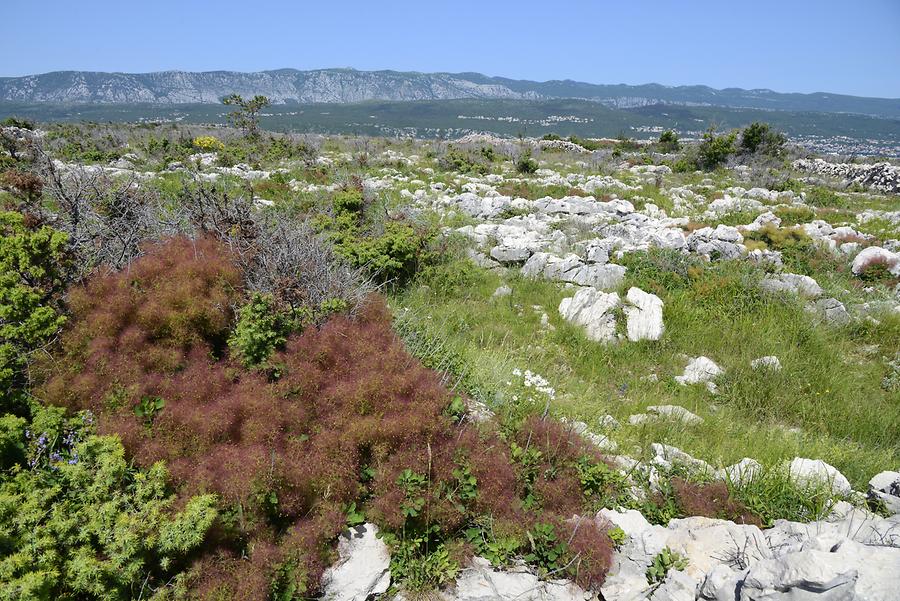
(715, 149)
(759, 137)
(246, 116)
(668, 141)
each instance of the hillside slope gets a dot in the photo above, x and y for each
(349, 85)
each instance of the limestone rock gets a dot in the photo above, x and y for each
(813, 575)
(502, 291)
(677, 586)
(792, 283)
(812, 472)
(480, 582)
(363, 567)
(510, 254)
(885, 487)
(741, 472)
(769, 362)
(593, 310)
(608, 422)
(666, 455)
(699, 370)
(676, 413)
(644, 318)
(876, 254)
(832, 311)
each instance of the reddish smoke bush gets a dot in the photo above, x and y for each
(551, 473)
(25, 186)
(343, 414)
(712, 500)
(592, 552)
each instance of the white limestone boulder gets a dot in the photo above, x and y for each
(815, 472)
(362, 569)
(698, 371)
(874, 254)
(593, 311)
(644, 315)
(792, 283)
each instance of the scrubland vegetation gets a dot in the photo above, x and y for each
(220, 348)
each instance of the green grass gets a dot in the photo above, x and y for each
(827, 402)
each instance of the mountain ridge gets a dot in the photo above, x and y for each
(347, 85)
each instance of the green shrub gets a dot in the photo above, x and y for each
(33, 263)
(668, 141)
(489, 154)
(714, 150)
(347, 201)
(394, 255)
(780, 238)
(463, 162)
(759, 137)
(548, 552)
(822, 197)
(17, 122)
(684, 165)
(617, 536)
(260, 329)
(489, 541)
(788, 184)
(526, 165)
(794, 215)
(80, 523)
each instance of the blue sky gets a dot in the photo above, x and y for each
(850, 47)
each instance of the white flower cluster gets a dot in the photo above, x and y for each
(535, 381)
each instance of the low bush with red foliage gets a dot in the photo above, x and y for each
(877, 269)
(22, 184)
(712, 500)
(338, 417)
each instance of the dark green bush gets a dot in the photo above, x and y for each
(668, 141)
(463, 162)
(759, 137)
(715, 149)
(526, 165)
(17, 122)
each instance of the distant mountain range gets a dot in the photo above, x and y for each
(291, 86)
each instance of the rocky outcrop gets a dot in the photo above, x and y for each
(792, 283)
(875, 254)
(883, 177)
(573, 270)
(593, 311)
(362, 569)
(481, 582)
(815, 472)
(885, 488)
(721, 242)
(644, 316)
